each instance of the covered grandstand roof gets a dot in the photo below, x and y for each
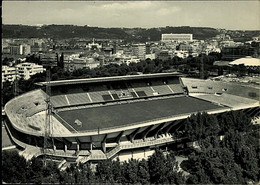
(105, 79)
(247, 61)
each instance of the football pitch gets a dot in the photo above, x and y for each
(123, 114)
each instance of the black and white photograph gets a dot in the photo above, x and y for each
(130, 92)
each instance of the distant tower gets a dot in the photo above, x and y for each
(15, 89)
(202, 63)
(201, 67)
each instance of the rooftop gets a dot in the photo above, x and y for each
(247, 61)
(105, 79)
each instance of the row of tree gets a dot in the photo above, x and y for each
(231, 160)
(160, 168)
(202, 125)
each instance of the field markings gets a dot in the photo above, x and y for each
(89, 97)
(170, 88)
(67, 99)
(152, 89)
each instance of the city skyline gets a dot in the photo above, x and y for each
(233, 15)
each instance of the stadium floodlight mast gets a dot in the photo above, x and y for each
(202, 70)
(48, 128)
(15, 90)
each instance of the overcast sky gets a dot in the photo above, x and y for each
(243, 15)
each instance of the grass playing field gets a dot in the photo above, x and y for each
(123, 114)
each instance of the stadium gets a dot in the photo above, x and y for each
(99, 118)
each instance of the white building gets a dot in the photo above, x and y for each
(8, 73)
(23, 49)
(80, 63)
(129, 60)
(26, 49)
(26, 70)
(171, 37)
(151, 56)
(248, 62)
(91, 63)
(181, 54)
(139, 50)
(94, 46)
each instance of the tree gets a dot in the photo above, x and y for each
(118, 171)
(214, 165)
(234, 120)
(61, 61)
(68, 176)
(157, 168)
(163, 169)
(200, 126)
(244, 151)
(104, 171)
(130, 171)
(143, 175)
(13, 167)
(174, 176)
(7, 92)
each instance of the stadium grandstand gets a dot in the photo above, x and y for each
(97, 118)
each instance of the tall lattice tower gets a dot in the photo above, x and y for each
(47, 132)
(48, 140)
(15, 83)
(201, 67)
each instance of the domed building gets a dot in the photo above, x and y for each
(249, 62)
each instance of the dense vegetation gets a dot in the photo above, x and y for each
(232, 160)
(128, 34)
(160, 168)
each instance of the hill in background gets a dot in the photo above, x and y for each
(128, 34)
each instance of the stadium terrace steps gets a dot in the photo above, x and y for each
(176, 88)
(97, 96)
(59, 100)
(114, 94)
(36, 109)
(79, 98)
(212, 87)
(162, 89)
(148, 91)
(36, 103)
(227, 99)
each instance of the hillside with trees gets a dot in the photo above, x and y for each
(128, 34)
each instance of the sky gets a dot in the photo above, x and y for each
(234, 15)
